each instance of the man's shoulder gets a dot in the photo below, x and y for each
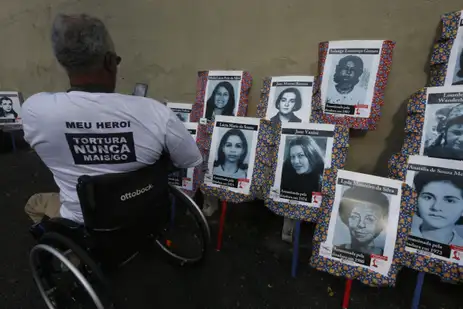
(40, 97)
(142, 103)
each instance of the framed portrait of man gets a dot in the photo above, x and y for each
(305, 151)
(182, 110)
(232, 153)
(290, 99)
(363, 223)
(437, 226)
(442, 134)
(349, 77)
(183, 178)
(10, 108)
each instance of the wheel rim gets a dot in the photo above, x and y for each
(188, 208)
(68, 264)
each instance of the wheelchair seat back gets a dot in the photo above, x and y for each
(121, 209)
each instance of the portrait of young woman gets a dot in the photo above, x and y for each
(287, 102)
(231, 155)
(440, 208)
(221, 101)
(303, 166)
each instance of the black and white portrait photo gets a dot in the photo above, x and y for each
(364, 212)
(437, 223)
(9, 108)
(304, 153)
(443, 124)
(182, 110)
(454, 74)
(232, 153)
(290, 99)
(364, 221)
(183, 178)
(222, 93)
(349, 77)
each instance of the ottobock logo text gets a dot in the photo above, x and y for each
(136, 193)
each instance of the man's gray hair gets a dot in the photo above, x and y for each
(80, 42)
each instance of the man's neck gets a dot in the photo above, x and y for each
(344, 88)
(90, 83)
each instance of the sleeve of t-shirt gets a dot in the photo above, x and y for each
(181, 146)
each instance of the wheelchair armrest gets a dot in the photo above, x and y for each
(64, 222)
(60, 225)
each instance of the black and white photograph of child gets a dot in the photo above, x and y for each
(303, 165)
(349, 77)
(222, 95)
(443, 126)
(182, 110)
(290, 99)
(9, 107)
(363, 214)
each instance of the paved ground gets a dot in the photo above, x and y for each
(252, 271)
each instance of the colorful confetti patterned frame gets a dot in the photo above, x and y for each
(442, 48)
(318, 116)
(266, 135)
(263, 103)
(338, 159)
(366, 276)
(198, 106)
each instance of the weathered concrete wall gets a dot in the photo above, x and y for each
(165, 42)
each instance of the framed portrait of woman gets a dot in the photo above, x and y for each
(182, 110)
(221, 93)
(288, 99)
(186, 178)
(232, 153)
(10, 108)
(437, 226)
(353, 76)
(357, 235)
(305, 151)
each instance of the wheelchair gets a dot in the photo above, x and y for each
(124, 214)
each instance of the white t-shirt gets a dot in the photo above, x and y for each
(79, 133)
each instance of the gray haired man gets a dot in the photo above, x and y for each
(90, 129)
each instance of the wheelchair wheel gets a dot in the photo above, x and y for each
(66, 275)
(186, 237)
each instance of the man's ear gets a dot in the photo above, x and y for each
(110, 63)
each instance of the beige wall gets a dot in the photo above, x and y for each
(165, 42)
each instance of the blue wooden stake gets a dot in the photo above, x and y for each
(297, 232)
(418, 287)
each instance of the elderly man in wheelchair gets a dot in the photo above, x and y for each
(110, 155)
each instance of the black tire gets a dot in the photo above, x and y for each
(201, 224)
(63, 243)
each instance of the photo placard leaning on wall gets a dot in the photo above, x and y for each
(10, 108)
(232, 154)
(435, 243)
(221, 93)
(188, 178)
(286, 99)
(304, 153)
(432, 127)
(353, 77)
(182, 110)
(360, 232)
(446, 63)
